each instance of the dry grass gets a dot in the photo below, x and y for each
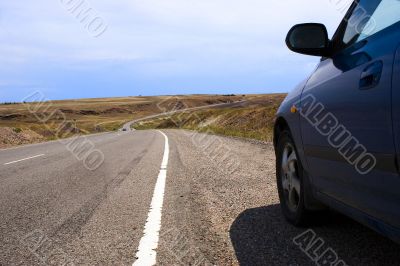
(253, 120)
(86, 116)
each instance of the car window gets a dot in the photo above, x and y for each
(370, 17)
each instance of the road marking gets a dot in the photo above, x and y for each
(24, 159)
(146, 253)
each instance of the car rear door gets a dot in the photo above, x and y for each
(347, 129)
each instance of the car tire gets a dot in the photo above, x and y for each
(290, 182)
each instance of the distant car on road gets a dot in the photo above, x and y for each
(124, 129)
(337, 135)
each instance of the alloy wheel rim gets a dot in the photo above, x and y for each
(290, 178)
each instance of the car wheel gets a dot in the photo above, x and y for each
(289, 172)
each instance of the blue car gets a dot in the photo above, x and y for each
(337, 135)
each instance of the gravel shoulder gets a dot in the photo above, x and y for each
(215, 216)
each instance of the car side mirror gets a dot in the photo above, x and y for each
(309, 39)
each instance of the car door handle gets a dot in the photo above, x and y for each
(371, 75)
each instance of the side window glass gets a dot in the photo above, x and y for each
(386, 14)
(370, 17)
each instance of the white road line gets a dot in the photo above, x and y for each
(146, 253)
(24, 159)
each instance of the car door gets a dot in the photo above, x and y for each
(396, 103)
(355, 162)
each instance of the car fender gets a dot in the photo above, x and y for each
(292, 120)
(289, 115)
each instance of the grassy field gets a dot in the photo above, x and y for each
(254, 119)
(24, 123)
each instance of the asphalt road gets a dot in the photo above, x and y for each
(218, 198)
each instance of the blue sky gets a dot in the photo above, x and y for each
(155, 47)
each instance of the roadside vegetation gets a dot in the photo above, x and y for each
(253, 119)
(20, 126)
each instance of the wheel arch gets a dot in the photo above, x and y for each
(280, 125)
(311, 202)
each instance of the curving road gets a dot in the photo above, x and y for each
(217, 198)
(128, 126)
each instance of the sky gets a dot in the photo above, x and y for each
(154, 47)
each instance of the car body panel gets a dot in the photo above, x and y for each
(293, 120)
(371, 114)
(367, 115)
(396, 103)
